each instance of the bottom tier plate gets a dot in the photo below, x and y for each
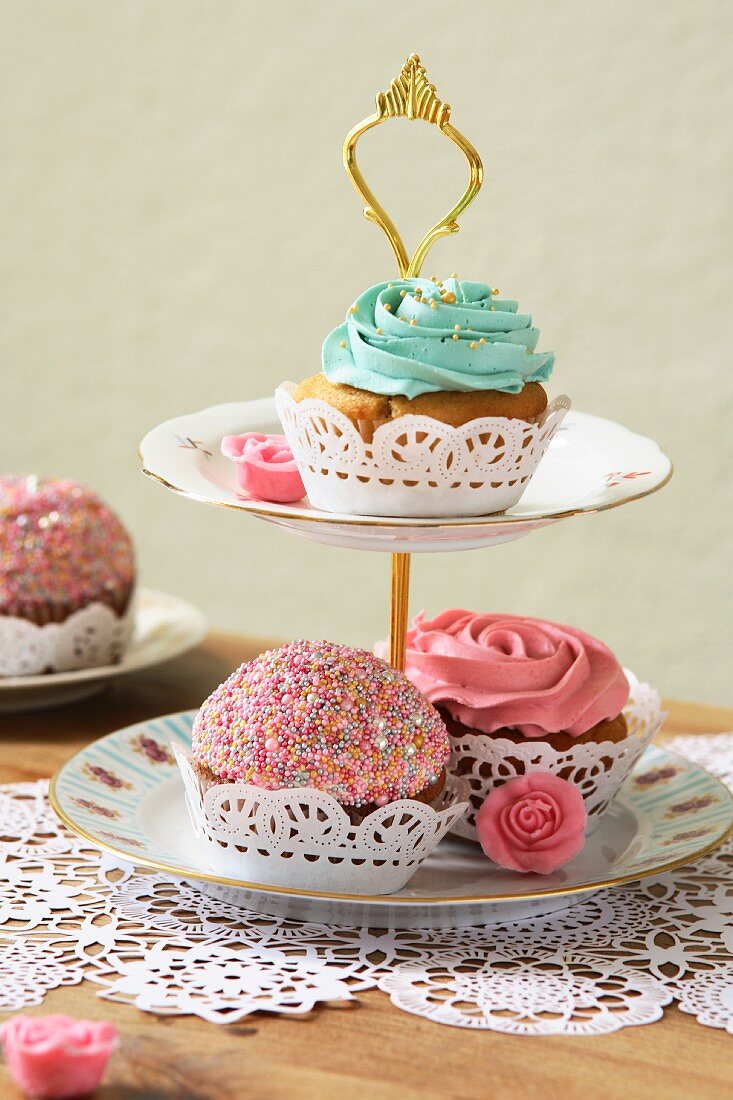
(123, 793)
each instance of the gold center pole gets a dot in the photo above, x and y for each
(399, 609)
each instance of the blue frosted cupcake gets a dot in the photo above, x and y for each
(454, 351)
(430, 403)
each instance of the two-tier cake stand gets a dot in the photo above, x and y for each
(592, 465)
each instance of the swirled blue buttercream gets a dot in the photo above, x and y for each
(409, 337)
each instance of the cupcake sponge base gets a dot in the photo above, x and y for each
(450, 407)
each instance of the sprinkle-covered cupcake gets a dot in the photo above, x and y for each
(318, 767)
(453, 351)
(325, 716)
(62, 552)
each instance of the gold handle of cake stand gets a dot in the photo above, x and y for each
(410, 96)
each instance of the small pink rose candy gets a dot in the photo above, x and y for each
(266, 468)
(535, 822)
(53, 1057)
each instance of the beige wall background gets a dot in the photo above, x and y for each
(178, 231)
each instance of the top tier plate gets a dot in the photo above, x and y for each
(592, 464)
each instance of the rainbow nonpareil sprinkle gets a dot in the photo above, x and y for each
(317, 714)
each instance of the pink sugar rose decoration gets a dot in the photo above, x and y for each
(56, 1056)
(535, 822)
(266, 468)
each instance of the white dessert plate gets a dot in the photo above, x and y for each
(123, 793)
(592, 464)
(165, 627)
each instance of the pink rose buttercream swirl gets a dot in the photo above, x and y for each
(492, 672)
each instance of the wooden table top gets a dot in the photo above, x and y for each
(369, 1049)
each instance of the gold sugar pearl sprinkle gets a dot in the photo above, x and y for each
(456, 336)
(403, 293)
(495, 290)
(388, 307)
(343, 344)
(454, 274)
(379, 332)
(389, 286)
(413, 321)
(482, 340)
(353, 309)
(473, 345)
(448, 297)
(457, 328)
(493, 309)
(433, 278)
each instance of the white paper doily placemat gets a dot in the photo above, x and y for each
(69, 915)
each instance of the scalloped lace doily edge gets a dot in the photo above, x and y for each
(68, 914)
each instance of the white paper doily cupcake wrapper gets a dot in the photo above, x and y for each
(414, 465)
(302, 838)
(89, 638)
(597, 769)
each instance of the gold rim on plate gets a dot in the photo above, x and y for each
(393, 899)
(494, 520)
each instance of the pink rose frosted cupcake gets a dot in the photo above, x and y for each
(62, 550)
(519, 695)
(517, 677)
